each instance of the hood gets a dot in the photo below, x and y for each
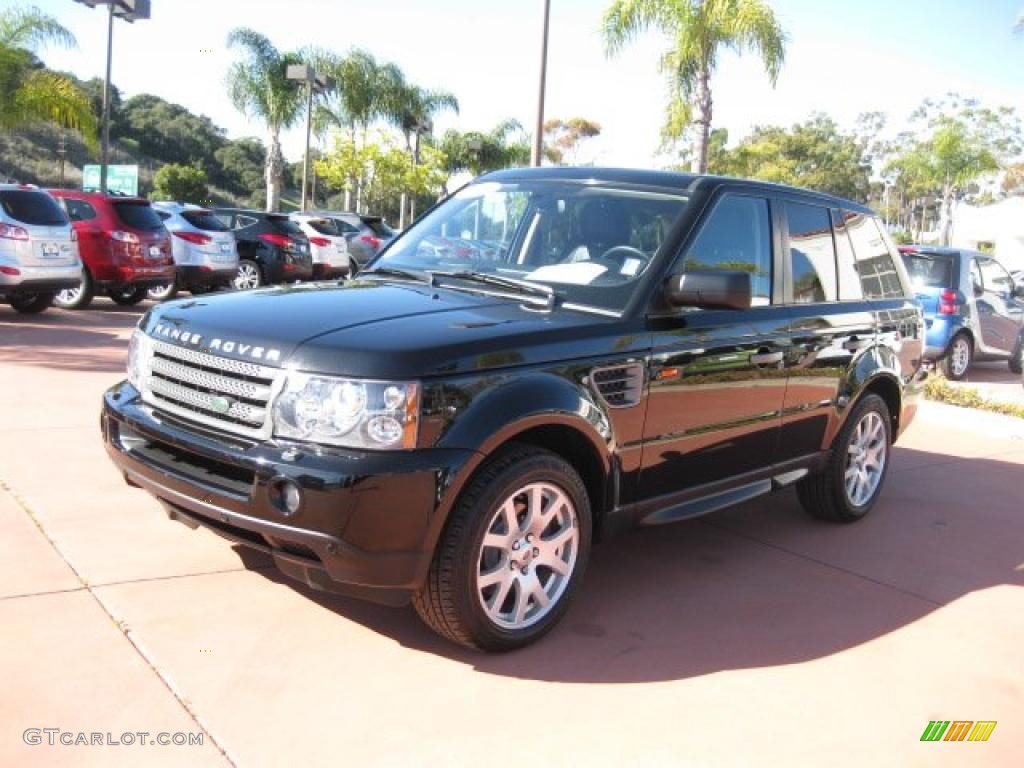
(378, 329)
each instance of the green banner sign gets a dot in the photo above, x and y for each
(121, 179)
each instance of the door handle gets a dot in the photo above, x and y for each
(766, 358)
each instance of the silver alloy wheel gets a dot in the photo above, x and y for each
(160, 292)
(865, 460)
(70, 295)
(527, 556)
(960, 356)
(248, 276)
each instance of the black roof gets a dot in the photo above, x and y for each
(689, 182)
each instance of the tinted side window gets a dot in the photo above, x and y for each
(205, 220)
(32, 207)
(79, 210)
(849, 278)
(242, 221)
(878, 275)
(996, 279)
(812, 253)
(736, 235)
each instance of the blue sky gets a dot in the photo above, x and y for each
(843, 59)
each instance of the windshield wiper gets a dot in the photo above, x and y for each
(409, 274)
(546, 292)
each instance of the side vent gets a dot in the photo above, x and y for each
(619, 386)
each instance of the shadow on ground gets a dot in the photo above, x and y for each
(759, 585)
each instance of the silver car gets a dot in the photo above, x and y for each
(366, 235)
(38, 249)
(204, 250)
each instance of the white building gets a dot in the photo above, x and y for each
(1000, 225)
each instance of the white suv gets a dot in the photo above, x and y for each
(38, 249)
(328, 246)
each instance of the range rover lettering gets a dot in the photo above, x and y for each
(546, 358)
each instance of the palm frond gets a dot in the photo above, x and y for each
(31, 29)
(49, 97)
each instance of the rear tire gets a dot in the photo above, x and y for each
(1016, 361)
(958, 358)
(128, 297)
(512, 554)
(853, 478)
(31, 303)
(249, 276)
(76, 298)
(163, 292)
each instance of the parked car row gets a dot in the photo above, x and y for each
(64, 247)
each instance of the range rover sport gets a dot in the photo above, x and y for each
(545, 358)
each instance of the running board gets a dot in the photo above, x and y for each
(707, 504)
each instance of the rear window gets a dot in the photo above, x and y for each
(138, 216)
(285, 225)
(929, 270)
(380, 229)
(204, 220)
(324, 227)
(32, 207)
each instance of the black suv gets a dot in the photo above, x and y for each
(271, 247)
(548, 356)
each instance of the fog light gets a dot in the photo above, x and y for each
(287, 497)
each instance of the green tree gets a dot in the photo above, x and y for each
(814, 154)
(698, 30)
(562, 138)
(183, 183)
(476, 152)
(259, 88)
(28, 92)
(240, 164)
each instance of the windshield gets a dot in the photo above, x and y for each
(590, 243)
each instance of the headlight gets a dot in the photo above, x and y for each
(348, 412)
(140, 356)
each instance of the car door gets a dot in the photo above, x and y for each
(716, 376)
(999, 310)
(827, 329)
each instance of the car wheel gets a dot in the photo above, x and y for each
(852, 480)
(163, 292)
(957, 361)
(248, 276)
(512, 554)
(128, 297)
(1016, 361)
(31, 303)
(76, 298)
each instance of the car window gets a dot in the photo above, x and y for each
(378, 227)
(878, 275)
(324, 227)
(736, 235)
(164, 215)
(138, 216)
(345, 228)
(995, 279)
(79, 210)
(204, 220)
(850, 288)
(812, 253)
(930, 270)
(285, 225)
(32, 207)
(242, 221)
(976, 281)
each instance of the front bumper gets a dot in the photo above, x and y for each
(365, 524)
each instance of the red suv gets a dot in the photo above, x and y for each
(124, 245)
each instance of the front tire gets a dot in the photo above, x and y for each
(128, 297)
(31, 303)
(958, 358)
(852, 481)
(512, 554)
(76, 298)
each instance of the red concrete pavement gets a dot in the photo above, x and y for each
(752, 636)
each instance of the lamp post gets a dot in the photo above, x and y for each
(306, 74)
(538, 136)
(130, 11)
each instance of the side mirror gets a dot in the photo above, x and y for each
(978, 291)
(710, 289)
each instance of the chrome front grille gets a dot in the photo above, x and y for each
(216, 391)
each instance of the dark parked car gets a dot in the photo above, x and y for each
(639, 348)
(973, 308)
(124, 246)
(271, 247)
(366, 235)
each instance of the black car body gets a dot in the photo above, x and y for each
(271, 247)
(685, 393)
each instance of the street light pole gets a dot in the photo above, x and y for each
(538, 136)
(105, 140)
(309, 131)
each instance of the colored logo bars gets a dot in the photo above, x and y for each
(958, 730)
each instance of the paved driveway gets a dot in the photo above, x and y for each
(753, 636)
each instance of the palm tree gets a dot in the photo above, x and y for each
(259, 87)
(699, 29)
(413, 111)
(28, 92)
